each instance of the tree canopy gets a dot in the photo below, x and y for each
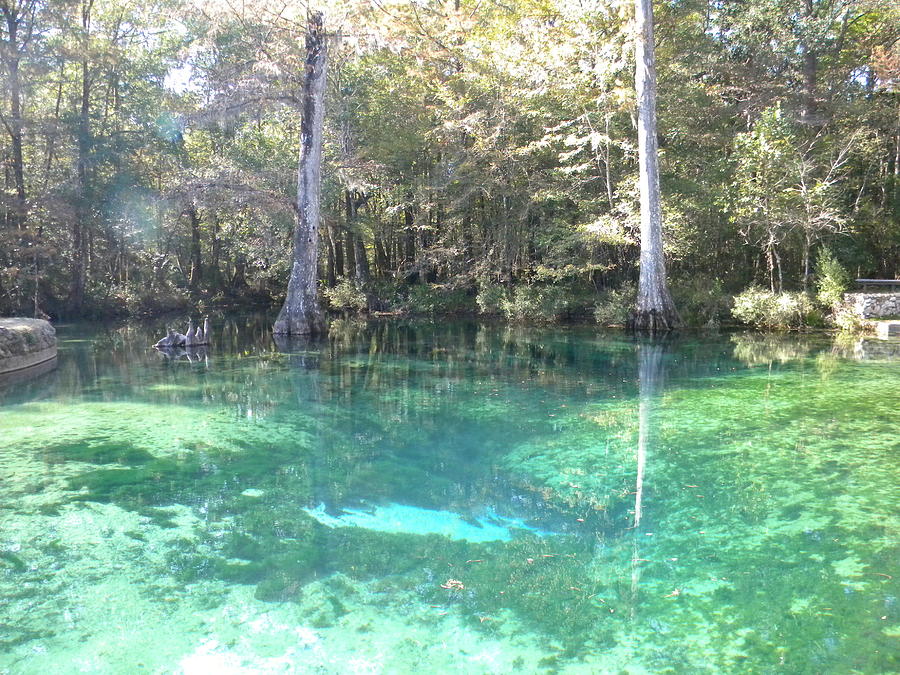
(475, 154)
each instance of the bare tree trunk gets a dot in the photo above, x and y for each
(216, 254)
(409, 237)
(301, 314)
(79, 226)
(356, 250)
(349, 254)
(382, 262)
(11, 57)
(778, 267)
(19, 19)
(808, 108)
(335, 237)
(361, 259)
(655, 310)
(770, 259)
(330, 277)
(807, 247)
(356, 254)
(196, 274)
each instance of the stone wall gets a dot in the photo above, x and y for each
(25, 343)
(874, 305)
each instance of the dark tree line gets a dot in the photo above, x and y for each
(476, 157)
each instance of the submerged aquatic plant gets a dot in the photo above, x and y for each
(183, 502)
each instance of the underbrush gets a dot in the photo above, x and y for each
(701, 302)
(439, 299)
(614, 306)
(767, 310)
(537, 303)
(346, 296)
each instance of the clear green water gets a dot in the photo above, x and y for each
(260, 511)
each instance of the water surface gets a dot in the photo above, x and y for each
(451, 497)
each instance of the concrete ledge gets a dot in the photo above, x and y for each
(25, 343)
(25, 374)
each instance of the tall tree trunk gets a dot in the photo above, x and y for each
(808, 108)
(301, 314)
(15, 123)
(360, 257)
(349, 254)
(807, 248)
(216, 254)
(409, 234)
(770, 260)
(350, 236)
(330, 276)
(382, 261)
(15, 17)
(79, 226)
(362, 261)
(196, 274)
(51, 135)
(335, 237)
(655, 310)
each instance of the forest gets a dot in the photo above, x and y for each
(396, 435)
(480, 156)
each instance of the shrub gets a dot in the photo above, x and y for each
(439, 299)
(154, 302)
(536, 302)
(848, 320)
(701, 302)
(390, 294)
(615, 305)
(764, 309)
(346, 296)
(490, 298)
(832, 279)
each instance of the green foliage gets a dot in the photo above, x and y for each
(848, 320)
(616, 305)
(155, 302)
(538, 303)
(346, 296)
(511, 153)
(438, 299)
(490, 298)
(788, 187)
(702, 302)
(763, 309)
(832, 279)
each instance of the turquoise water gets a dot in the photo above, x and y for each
(452, 497)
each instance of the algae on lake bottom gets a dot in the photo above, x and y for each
(739, 516)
